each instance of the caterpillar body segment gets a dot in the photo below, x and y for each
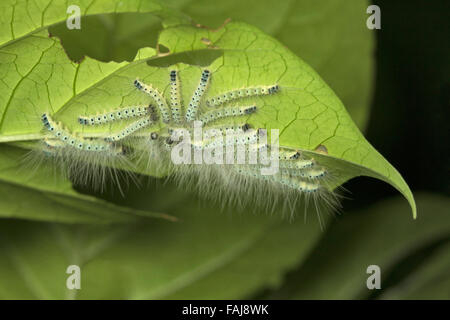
(52, 143)
(297, 164)
(244, 138)
(71, 140)
(175, 100)
(228, 112)
(288, 155)
(279, 178)
(240, 94)
(191, 112)
(312, 173)
(157, 97)
(129, 130)
(212, 131)
(52, 146)
(119, 114)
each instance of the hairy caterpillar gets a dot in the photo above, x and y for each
(129, 130)
(283, 179)
(238, 137)
(175, 100)
(191, 111)
(123, 113)
(157, 97)
(226, 112)
(70, 140)
(297, 175)
(241, 93)
(211, 132)
(87, 161)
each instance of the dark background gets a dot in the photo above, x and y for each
(410, 109)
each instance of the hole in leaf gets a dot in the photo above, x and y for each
(109, 37)
(200, 58)
(163, 49)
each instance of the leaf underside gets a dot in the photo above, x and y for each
(38, 77)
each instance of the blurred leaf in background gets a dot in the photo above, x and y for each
(209, 255)
(379, 235)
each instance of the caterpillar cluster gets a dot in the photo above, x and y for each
(298, 175)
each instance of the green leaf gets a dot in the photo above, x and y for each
(46, 196)
(331, 36)
(308, 114)
(232, 258)
(378, 235)
(22, 19)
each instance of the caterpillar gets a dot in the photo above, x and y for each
(214, 115)
(296, 173)
(175, 100)
(296, 164)
(283, 179)
(87, 161)
(122, 113)
(288, 155)
(70, 140)
(157, 97)
(311, 173)
(129, 130)
(197, 96)
(241, 93)
(214, 130)
(236, 138)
